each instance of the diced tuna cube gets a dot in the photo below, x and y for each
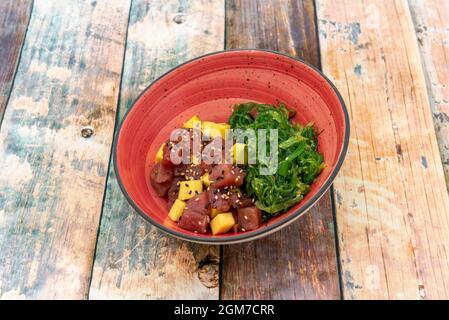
(161, 178)
(226, 175)
(199, 203)
(194, 221)
(249, 218)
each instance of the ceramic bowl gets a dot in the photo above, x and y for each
(209, 86)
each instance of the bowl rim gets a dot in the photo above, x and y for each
(263, 231)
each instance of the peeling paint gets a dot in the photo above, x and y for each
(37, 67)
(358, 70)
(14, 294)
(424, 162)
(59, 73)
(36, 107)
(108, 88)
(14, 171)
(350, 30)
(354, 32)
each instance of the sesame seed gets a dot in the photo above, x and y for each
(246, 217)
(243, 229)
(197, 199)
(200, 223)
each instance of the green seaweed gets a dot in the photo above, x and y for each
(299, 162)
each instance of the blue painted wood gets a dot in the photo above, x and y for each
(52, 178)
(134, 260)
(299, 261)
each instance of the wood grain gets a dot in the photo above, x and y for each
(133, 259)
(14, 17)
(431, 19)
(392, 203)
(52, 179)
(298, 262)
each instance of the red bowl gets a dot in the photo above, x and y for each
(209, 86)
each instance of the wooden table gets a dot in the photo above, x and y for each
(70, 69)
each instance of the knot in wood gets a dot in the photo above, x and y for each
(87, 132)
(208, 271)
(179, 18)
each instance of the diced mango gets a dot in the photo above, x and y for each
(213, 213)
(189, 189)
(222, 223)
(239, 152)
(190, 124)
(176, 210)
(160, 153)
(205, 179)
(214, 130)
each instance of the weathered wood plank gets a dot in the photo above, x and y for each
(133, 259)
(298, 262)
(52, 179)
(392, 203)
(14, 17)
(431, 18)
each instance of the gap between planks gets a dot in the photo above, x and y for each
(15, 17)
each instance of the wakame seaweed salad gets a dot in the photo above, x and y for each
(299, 162)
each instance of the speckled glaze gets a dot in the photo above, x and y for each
(209, 86)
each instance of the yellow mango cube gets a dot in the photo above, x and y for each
(222, 223)
(214, 212)
(205, 179)
(214, 130)
(189, 189)
(239, 151)
(160, 153)
(176, 210)
(190, 124)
